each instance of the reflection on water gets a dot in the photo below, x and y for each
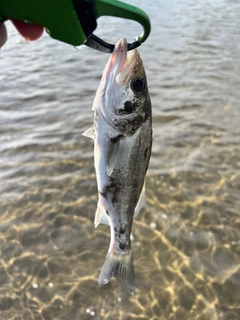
(186, 239)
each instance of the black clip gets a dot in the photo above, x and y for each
(98, 44)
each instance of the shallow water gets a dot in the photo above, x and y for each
(187, 238)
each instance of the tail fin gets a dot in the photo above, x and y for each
(120, 267)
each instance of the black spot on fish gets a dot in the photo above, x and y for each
(122, 245)
(116, 139)
(128, 106)
(112, 190)
(122, 230)
(129, 125)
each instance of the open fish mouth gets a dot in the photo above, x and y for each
(122, 61)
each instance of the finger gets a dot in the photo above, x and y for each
(29, 31)
(3, 34)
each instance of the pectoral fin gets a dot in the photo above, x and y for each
(89, 133)
(113, 152)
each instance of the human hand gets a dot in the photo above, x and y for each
(29, 31)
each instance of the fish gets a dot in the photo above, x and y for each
(122, 133)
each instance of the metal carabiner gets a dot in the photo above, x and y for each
(98, 44)
(122, 10)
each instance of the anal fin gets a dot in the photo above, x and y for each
(100, 216)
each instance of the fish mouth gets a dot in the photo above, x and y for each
(122, 61)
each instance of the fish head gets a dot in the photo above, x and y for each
(123, 96)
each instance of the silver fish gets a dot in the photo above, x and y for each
(122, 134)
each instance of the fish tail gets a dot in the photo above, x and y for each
(121, 267)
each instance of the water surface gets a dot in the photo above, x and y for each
(187, 237)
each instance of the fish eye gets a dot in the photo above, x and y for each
(138, 84)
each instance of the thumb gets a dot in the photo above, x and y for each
(3, 34)
(29, 31)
